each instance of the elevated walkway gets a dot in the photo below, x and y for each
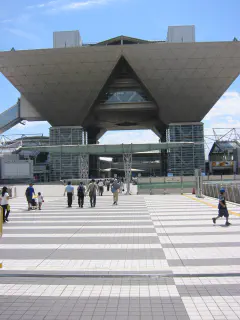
(97, 149)
(10, 118)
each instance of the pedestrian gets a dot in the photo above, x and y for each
(222, 208)
(115, 190)
(29, 195)
(81, 195)
(108, 184)
(101, 187)
(40, 200)
(5, 203)
(92, 189)
(70, 193)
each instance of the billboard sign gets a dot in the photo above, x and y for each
(222, 164)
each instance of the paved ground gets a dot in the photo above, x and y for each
(150, 257)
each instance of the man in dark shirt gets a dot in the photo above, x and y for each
(222, 208)
(29, 195)
(81, 195)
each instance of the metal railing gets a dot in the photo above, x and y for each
(232, 190)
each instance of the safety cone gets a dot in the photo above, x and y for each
(193, 191)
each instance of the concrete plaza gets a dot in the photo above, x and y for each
(150, 257)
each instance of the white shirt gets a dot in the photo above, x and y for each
(4, 200)
(100, 184)
(40, 199)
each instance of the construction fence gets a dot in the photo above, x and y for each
(181, 184)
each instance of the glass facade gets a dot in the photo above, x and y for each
(125, 97)
(9, 117)
(184, 160)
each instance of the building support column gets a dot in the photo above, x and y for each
(127, 160)
(83, 166)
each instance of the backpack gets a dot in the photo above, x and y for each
(81, 189)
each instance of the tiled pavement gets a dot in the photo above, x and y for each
(150, 257)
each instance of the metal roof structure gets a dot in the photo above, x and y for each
(177, 82)
(98, 149)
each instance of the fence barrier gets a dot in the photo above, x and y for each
(186, 184)
(165, 185)
(232, 190)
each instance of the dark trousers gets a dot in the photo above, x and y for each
(5, 215)
(69, 197)
(101, 191)
(92, 199)
(81, 200)
(108, 187)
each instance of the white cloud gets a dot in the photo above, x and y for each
(224, 116)
(6, 21)
(129, 136)
(23, 34)
(228, 105)
(44, 5)
(68, 5)
(30, 124)
(84, 4)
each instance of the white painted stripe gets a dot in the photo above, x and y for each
(9, 227)
(207, 269)
(87, 265)
(207, 281)
(80, 246)
(80, 221)
(202, 253)
(83, 235)
(89, 290)
(59, 213)
(185, 230)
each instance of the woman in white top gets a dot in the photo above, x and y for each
(5, 203)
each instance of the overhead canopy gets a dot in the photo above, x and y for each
(108, 149)
(182, 80)
(117, 169)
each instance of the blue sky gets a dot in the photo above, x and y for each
(29, 24)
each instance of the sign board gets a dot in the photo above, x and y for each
(173, 179)
(203, 174)
(222, 164)
(16, 169)
(170, 174)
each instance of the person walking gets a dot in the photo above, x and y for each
(108, 184)
(92, 189)
(222, 208)
(5, 204)
(101, 187)
(29, 195)
(40, 201)
(115, 190)
(70, 192)
(81, 194)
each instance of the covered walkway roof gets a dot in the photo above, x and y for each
(98, 149)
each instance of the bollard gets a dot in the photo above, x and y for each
(164, 188)
(181, 184)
